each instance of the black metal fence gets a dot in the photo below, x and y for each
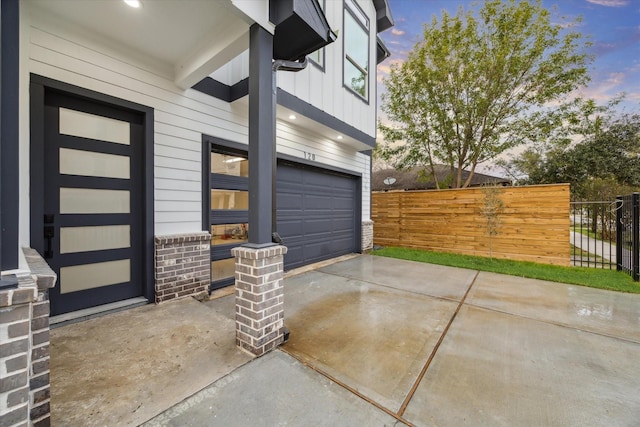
(628, 235)
(606, 234)
(593, 234)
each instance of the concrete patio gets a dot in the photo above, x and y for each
(379, 341)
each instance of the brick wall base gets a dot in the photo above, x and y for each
(182, 266)
(367, 235)
(259, 298)
(15, 352)
(24, 347)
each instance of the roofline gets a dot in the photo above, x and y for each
(384, 19)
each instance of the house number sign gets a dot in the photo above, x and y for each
(309, 156)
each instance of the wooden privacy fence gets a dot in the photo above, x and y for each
(533, 224)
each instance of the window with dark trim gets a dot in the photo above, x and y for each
(228, 210)
(356, 50)
(317, 57)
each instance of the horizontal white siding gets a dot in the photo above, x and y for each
(181, 118)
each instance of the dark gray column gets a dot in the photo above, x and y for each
(9, 54)
(262, 136)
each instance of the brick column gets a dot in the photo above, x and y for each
(259, 298)
(24, 346)
(15, 348)
(367, 235)
(39, 386)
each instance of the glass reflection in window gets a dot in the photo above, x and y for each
(223, 269)
(229, 199)
(356, 51)
(229, 233)
(225, 164)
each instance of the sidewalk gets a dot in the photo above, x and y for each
(600, 248)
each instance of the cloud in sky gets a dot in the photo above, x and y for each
(385, 67)
(606, 88)
(571, 24)
(609, 3)
(611, 26)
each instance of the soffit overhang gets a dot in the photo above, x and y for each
(301, 28)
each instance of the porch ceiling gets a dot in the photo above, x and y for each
(194, 37)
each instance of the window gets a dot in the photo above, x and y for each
(229, 199)
(225, 164)
(356, 49)
(317, 57)
(229, 207)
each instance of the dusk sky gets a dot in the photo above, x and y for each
(614, 27)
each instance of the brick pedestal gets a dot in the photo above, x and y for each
(367, 235)
(24, 347)
(259, 298)
(15, 352)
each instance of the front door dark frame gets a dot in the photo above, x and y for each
(37, 87)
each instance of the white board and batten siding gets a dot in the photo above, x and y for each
(324, 89)
(181, 118)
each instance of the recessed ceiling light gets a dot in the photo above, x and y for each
(133, 3)
(339, 136)
(292, 116)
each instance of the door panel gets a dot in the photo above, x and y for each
(93, 202)
(94, 238)
(316, 214)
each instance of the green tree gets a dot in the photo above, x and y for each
(478, 84)
(601, 164)
(561, 127)
(492, 210)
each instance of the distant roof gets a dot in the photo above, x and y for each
(417, 179)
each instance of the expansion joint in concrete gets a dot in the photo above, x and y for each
(352, 390)
(407, 399)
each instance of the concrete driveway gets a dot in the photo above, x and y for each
(379, 341)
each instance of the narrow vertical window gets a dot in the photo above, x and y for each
(317, 57)
(356, 50)
(228, 210)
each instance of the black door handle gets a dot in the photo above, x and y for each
(49, 232)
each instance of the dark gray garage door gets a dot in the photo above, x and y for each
(317, 213)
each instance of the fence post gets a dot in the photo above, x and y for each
(635, 246)
(619, 242)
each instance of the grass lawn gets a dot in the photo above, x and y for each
(588, 256)
(592, 277)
